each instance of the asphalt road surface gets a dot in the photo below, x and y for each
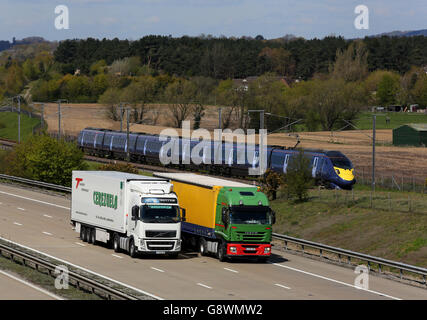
(41, 221)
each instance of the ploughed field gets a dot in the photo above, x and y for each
(409, 162)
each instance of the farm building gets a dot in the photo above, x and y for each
(412, 134)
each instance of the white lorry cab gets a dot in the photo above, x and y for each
(130, 212)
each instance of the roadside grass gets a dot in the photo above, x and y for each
(9, 126)
(94, 166)
(44, 281)
(388, 231)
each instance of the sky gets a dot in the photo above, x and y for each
(133, 19)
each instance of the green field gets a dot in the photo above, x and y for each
(394, 228)
(397, 119)
(9, 126)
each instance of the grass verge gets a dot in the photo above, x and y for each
(43, 280)
(9, 126)
(387, 230)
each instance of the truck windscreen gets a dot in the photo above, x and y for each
(250, 215)
(159, 213)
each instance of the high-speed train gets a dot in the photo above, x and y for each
(330, 168)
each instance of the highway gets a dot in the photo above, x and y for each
(41, 221)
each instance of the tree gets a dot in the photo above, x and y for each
(43, 158)
(228, 96)
(388, 89)
(351, 64)
(420, 91)
(280, 59)
(122, 167)
(180, 95)
(111, 98)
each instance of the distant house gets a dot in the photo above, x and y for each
(412, 134)
(244, 83)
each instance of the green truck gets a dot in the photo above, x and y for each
(222, 217)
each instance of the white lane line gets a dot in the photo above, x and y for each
(47, 233)
(115, 255)
(80, 244)
(282, 286)
(336, 281)
(17, 223)
(47, 216)
(203, 285)
(39, 201)
(1, 203)
(32, 286)
(231, 270)
(22, 209)
(84, 269)
(160, 270)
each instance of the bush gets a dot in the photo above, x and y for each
(43, 158)
(270, 183)
(298, 179)
(122, 167)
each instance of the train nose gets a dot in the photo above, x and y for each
(345, 174)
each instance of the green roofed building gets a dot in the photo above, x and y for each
(412, 134)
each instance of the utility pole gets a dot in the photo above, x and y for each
(127, 136)
(121, 117)
(261, 141)
(373, 151)
(19, 119)
(219, 118)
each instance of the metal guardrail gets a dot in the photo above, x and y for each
(77, 278)
(356, 255)
(303, 243)
(35, 183)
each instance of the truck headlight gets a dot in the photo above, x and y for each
(142, 244)
(178, 245)
(267, 250)
(233, 249)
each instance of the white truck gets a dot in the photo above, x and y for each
(130, 212)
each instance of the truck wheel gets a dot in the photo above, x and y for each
(88, 232)
(116, 243)
(203, 247)
(132, 249)
(81, 232)
(84, 234)
(92, 238)
(221, 253)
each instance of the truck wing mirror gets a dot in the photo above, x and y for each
(135, 212)
(273, 217)
(183, 215)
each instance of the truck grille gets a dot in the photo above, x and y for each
(160, 245)
(250, 236)
(160, 233)
(250, 248)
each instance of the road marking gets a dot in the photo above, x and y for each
(1, 202)
(231, 270)
(39, 201)
(83, 269)
(336, 281)
(47, 233)
(22, 209)
(282, 286)
(80, 244)
(47, 216)
(160, 270)
(17, 223)
(31, 286)
(203, 285)
(115, 255)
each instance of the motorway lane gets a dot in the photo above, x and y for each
(14, 288)
(24, 221)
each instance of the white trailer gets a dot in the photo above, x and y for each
(130, 212)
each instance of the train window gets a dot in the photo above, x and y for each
(339, 160)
